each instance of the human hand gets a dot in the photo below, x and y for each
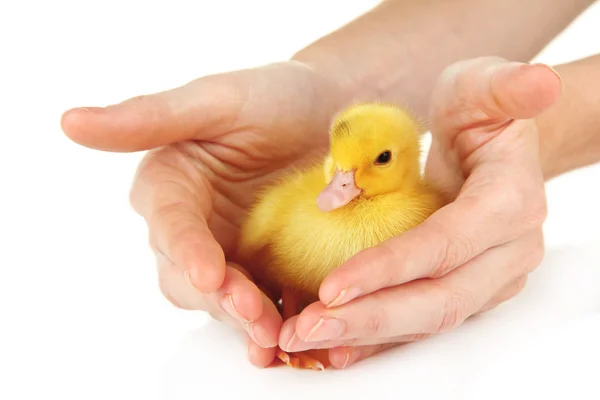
(472, 254)
(214, 141)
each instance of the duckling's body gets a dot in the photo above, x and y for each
(296, 245)
(367, 190)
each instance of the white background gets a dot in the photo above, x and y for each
(81, 314)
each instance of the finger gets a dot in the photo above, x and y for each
(488, 90)
(449, 238)
(344, 357)
(424, 306)
(264, 331)
(290, 341)
(260, 357)
(175, 207)
(177, 290)
(241, 300)
(238, 302)
(238, 297)
(508, 292)
(242, 270)
(199, 109)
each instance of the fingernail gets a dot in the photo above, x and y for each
(186, 276)
(259, 336)
(295, 344)
(91, 109)
(249, 327)
(346, 362)
(555, 72)
(345, 296)
(229, 307)
(326, 329)
(351, 358)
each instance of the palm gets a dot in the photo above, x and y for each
(235, 165)
(274, 126)
(215, 141)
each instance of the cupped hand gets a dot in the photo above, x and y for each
(212, 143)
(472, 254)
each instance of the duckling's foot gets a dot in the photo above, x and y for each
(305, 359)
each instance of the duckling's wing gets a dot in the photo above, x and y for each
(260, 224)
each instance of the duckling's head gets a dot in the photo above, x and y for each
(374, 150)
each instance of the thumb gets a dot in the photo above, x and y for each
(200, 109)
(491, 90)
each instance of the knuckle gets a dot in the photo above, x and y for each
(452, 257)
(418, 337)
(455, 310)
(176, 220)
(171, 209)
(375, 324)
(454, 251)
(389, 258)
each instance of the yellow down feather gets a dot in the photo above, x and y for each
(288, 242)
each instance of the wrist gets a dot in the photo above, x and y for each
(569, 131)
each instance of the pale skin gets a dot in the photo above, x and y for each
(496, 126)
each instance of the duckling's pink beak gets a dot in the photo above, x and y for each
(340, 191)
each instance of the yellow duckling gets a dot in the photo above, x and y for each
(368, 189)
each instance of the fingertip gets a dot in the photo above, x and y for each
(205, 277)
(107, 129)
(124, 127)
(205, 265)
(346, 282)
(343, 357)
(546, 85)
(260, 357)
(334, 284)
(73, 123)
(287, 331)
(329, 290)
(308, 319)
(68, 119)
(246, 297)
(526, 90)
(267, 327)
(552, 74)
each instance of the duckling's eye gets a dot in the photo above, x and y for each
(384, 158)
